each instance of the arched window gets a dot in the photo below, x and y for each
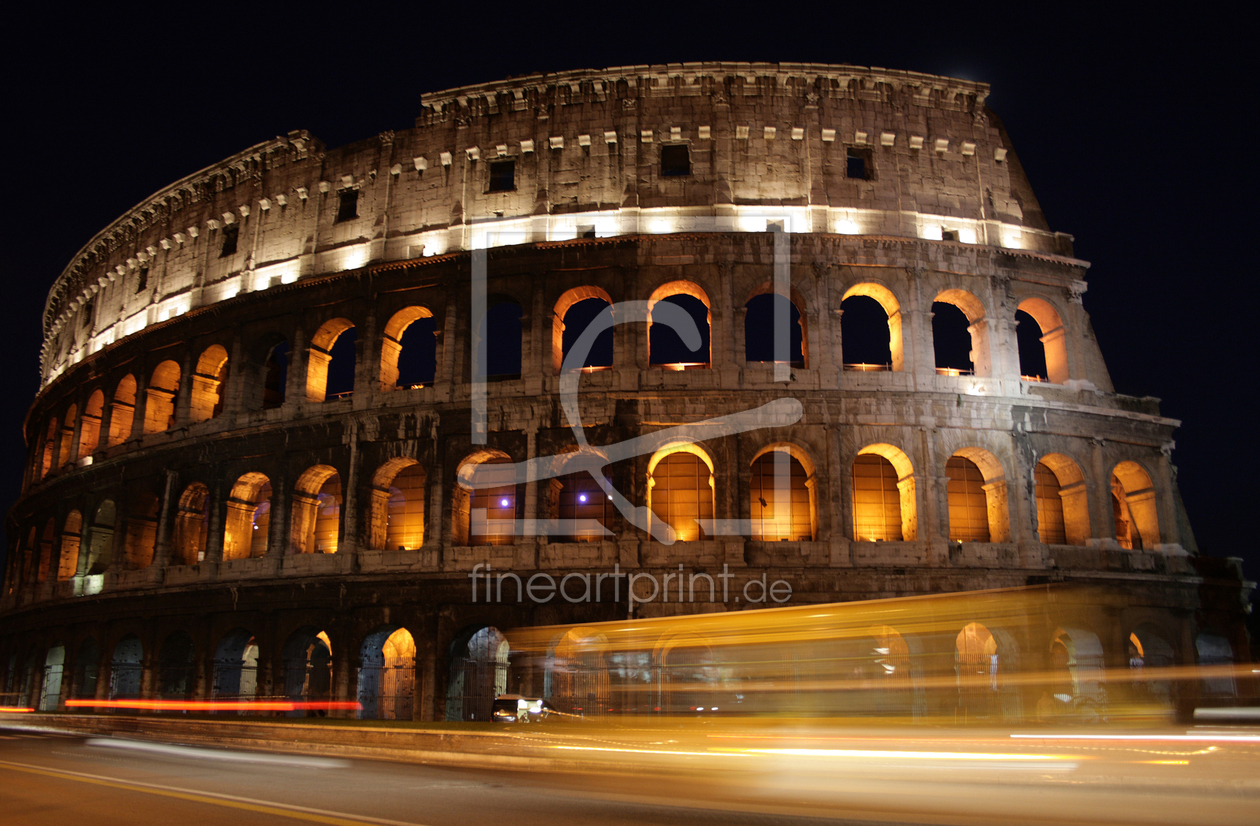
(498, 342)
(486, 500)
(409, 350)
(762, 315)
(680, 490)
(248, 517)
(870, 329)
(49, 460)
(876, 499)
(1050, 526)
(122, 411)
(387, 676)
(71, 537)
(159, 404)
(398, 506)
(141, 537)
(90, 429)
(191, 525)
(275, 375)
(330, 361)
(782, 497)
(101, 538)
(208, 384)
(574, 312)
(1134, 506)
(1042, 342)
(978, 510)
(666, 347)
(315, 520)
(959, 335)
(66, 450)
(581, 506)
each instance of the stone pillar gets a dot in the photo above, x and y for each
(162, 544)
(278, 537)
(214, 525)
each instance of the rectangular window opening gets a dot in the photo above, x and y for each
(502, 176)
(142, 283)
(675, 160)
(858, 164)
(949, 235)
(348, 209)
(230, 233)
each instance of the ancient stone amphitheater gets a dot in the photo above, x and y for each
(265, 388)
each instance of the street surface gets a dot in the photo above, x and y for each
(1188, 775)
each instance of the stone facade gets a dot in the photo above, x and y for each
(159, 418)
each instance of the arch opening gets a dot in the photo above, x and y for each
(397, 518)
(122, 411)
(90, 427)
(315, 517)
(248, 526)
(308, 666)
(478, 673)
(208, 384)
(1062, 501)
(101, 538)
(71, 537)
(977, 499)
(762, 314)
(236, 667)
(486, 514)
(387, 675)
(86, 670)
(1133, 503)
(140, 539)
(175, 667)
(409, 350)
(570, 322)
(54, 669)
(126, 668)
(331, 361)
(782, 503)
(681, 490)
(275, 375)
(191, 524)
(159, 403)
(870, 329)
(1041, 334)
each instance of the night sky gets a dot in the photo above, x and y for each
(1133, 130)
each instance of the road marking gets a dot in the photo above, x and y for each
(214, 798)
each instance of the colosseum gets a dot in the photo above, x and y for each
(300, 409)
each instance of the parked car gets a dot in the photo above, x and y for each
(513, 708)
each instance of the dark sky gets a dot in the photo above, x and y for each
(1133, 130)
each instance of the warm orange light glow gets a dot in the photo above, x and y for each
(14, 710)
(217, 705)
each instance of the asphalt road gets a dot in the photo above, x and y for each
(1185, 776)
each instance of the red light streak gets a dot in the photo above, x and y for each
(217, 705)
(15, 710)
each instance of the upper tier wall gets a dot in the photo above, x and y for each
(764, 142)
